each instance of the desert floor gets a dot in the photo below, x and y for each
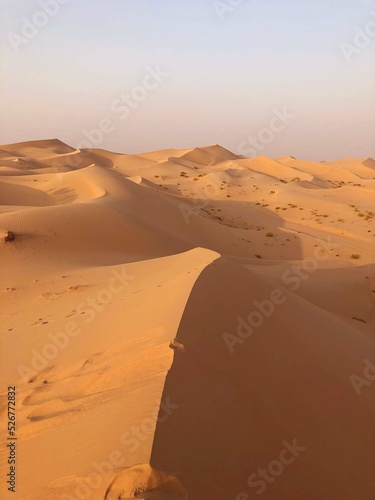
(263, 270)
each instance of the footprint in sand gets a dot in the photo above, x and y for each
(94, 359)
(40, 374)
(42, 321)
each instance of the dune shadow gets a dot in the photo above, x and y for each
(244, 222)
(18, 195)
(209, 441)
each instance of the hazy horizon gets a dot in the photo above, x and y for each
(276, 79)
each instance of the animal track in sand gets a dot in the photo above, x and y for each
(50, 409)
(57, 295)
(60, 392)
(94, 359)
(40, 374)
(42, 321)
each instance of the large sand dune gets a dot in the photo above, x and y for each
(263, 273)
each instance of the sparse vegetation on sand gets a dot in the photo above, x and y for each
(9, 236)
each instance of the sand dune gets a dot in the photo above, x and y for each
(176, 321)
(39, 149)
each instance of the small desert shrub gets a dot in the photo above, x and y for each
(9, 236)
(359, 319)
(270, 235)
(355, 256)
(258, 256)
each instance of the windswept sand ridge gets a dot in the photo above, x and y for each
(97, 377)
(335, 171)
(163, 154)
(115, 255)
(206, 156)
(46, 190)
(275, 169)
(39, 149)
(363, 168)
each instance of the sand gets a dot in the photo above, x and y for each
(187, 324)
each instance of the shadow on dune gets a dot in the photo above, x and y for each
(238, 229)
(231, 412)
(18, 195)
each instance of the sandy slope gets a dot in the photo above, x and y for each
(115, 255)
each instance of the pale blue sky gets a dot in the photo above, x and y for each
(226, 74)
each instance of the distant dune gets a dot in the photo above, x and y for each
(188, 324)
